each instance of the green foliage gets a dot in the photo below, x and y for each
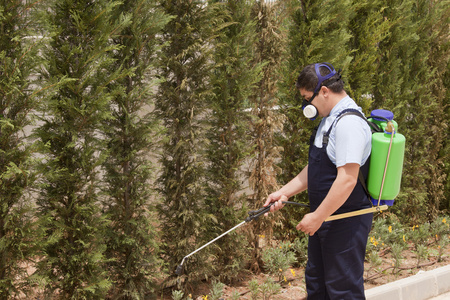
(266, 120)
(300, 248)
(369, 27)
(232, 80)
(419, 234)
(410, 83)
(235, 295)
(442, 245)
(387, 231)
(79, 49)
(388, 234)
(439, 228)
(269, 288)
(374, 260)
(254, 289)
(225, 104)
(264, 291)
(19, 235)
(132, 239)
(185, 66)
(216, 290)
(422, 253)
(278, 259)
(177, 295)
(396, 250)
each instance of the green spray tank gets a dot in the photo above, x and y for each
(386, 160)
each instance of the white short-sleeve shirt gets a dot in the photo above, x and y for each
(349, 140)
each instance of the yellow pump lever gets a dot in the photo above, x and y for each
(357, 213)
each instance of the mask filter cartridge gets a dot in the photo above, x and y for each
(309, 110)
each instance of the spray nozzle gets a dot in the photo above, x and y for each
(179, 269)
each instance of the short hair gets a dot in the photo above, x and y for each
(308, 79)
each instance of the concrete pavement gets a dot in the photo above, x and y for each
(445, 296)
(434, 284)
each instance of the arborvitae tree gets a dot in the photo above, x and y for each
(266, 119)
(410, 84)
(438, 62)
(79, 58)
(18, 62)
(368, 27)
(181, 101)
(445, 152)
(132, 238)
(322, 32)
(233, 79)
(294, 137)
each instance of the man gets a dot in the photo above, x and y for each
(338, 150)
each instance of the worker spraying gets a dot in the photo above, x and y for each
(341, 204)
(335, 176)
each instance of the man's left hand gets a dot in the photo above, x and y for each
(310, 224)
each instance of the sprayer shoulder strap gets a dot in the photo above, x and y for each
(345, 112)
(352, 111)
(373, 127)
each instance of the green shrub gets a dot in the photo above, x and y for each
(279, 259)
(254, 289)
(300, 247)
(217, 290)
(269, 288)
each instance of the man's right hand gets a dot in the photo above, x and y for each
(276, 197)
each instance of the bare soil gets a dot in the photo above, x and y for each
(293, 283)
(293, 286)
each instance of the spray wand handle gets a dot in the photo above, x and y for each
(255, 214)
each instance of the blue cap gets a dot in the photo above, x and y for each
(382, 115)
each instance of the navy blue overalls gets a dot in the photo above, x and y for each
(336, 251)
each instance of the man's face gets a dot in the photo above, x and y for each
(307, 95)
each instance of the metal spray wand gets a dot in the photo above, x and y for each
(252, 215)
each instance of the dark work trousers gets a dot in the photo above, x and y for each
(336, 251)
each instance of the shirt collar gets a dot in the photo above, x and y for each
(342, 104)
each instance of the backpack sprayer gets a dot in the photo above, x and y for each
(383, 181)
(386, 162)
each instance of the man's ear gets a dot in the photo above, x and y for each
(325, 91)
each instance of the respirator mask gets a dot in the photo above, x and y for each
(309, 110)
